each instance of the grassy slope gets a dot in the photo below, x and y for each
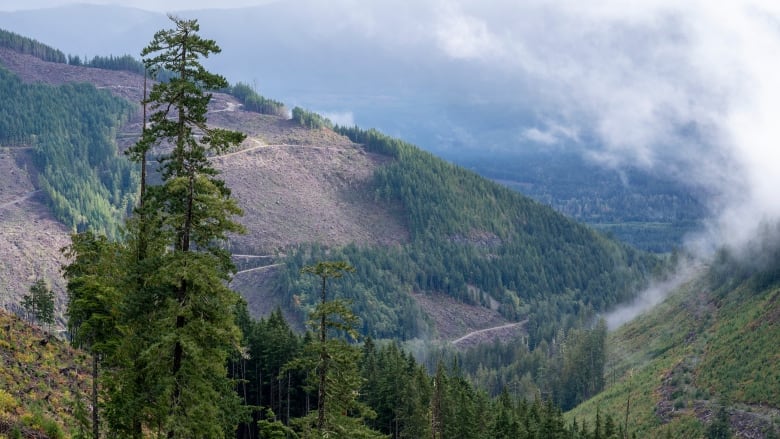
(44, 383)
(707, 345)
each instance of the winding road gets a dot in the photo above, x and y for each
(257, 268)
(259, 145)
(487, 330)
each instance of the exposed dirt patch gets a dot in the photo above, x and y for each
(455, 320)
(772, 315)
(30, 238)
(749, 422)
(17, 181)
(31, 69)
(295, 194)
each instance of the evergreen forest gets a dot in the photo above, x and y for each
(72, 130)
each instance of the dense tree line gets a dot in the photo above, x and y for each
(310, 119)
(254, 102)
(126, 63)
(72, 129)
(407, 400)
(29, 46)
(249, 98)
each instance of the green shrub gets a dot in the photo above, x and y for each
(7, 402)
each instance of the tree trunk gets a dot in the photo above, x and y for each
(323, 367)
(95, 413)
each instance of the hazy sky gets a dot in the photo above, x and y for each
(687, 88)
(150, 5)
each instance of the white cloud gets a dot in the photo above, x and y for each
(342, 118)
(462, 36)
(538, 136)
(552, 134)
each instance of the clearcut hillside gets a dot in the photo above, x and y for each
(414, 225)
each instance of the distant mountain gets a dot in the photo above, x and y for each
(57, 27)
(408, 91)
(409, 221)
(707, 355)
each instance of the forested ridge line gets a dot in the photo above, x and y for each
(30, 46)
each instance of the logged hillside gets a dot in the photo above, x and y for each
(711, 346)
(415, 226)
(30, 237)
(295, 185)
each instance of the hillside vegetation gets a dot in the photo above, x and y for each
(72, 129)
(181, 356)
(409, 221)
(712, 345)
(44, 383)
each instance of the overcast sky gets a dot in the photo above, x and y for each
(150, 5)
(687, 88)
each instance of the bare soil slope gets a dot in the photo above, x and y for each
(294, 194)
(30, 238)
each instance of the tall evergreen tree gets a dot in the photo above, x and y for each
(335, 362)
(93, 293)
(180, 325)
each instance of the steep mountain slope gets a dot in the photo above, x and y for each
(44, 383)
(309, 192)
(712, 344)
(30, 238)
(410, 222)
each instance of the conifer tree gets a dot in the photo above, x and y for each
(179, 317)
(339, 412)
(93, 294)
(39, 304)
